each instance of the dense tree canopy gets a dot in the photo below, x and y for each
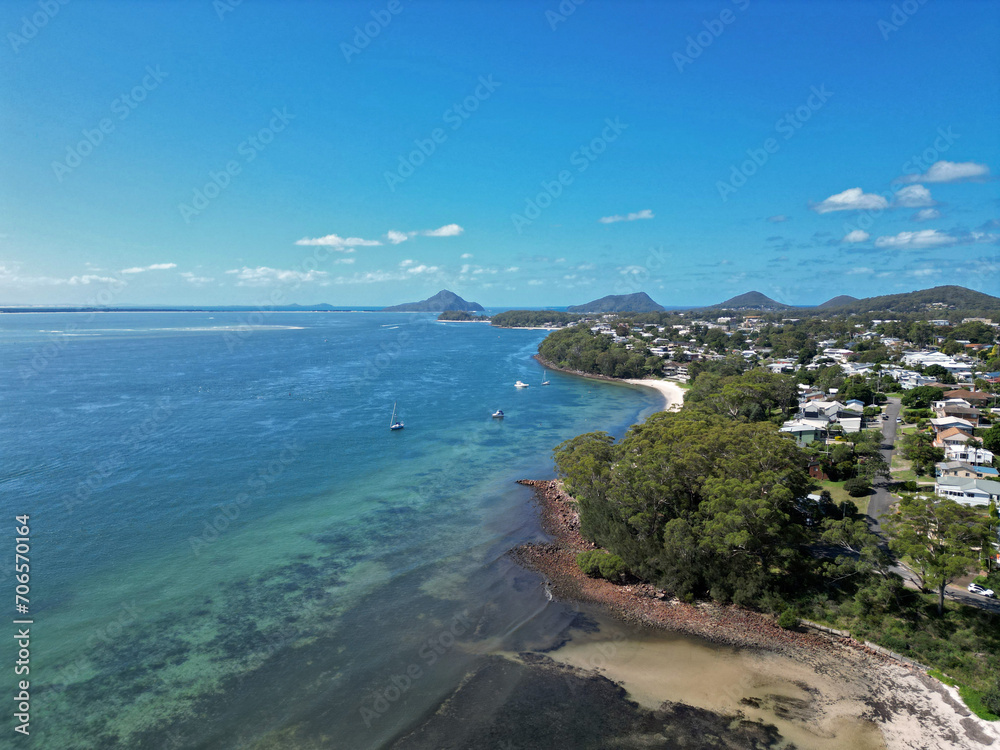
(579, 348)
(937, 536)
(531, 318)
(694, 502)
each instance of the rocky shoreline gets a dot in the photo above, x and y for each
(643, 603)
(911, 709)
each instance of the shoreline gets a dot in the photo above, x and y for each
(673, 394)
(910, 708)
(637, 602)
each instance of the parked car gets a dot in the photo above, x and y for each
(899, 420)
(975, 588)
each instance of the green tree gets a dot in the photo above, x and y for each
(937, 537)
(918, 448)
(921, 397)
(991, 438)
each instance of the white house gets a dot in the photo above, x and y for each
(967, 491)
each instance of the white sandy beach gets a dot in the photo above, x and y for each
(672, 393)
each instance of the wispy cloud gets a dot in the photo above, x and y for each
(862, 271)
(856, 236)
(777, 219)
(337, 242)
(448, 230)
(644, 214)
(852, 199)
(154, 267)
(926, 214)
(194, 279)
(913, 196)
(265, 276)
(950, 171)
(915, 240)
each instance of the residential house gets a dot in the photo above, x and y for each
(971, 454)
(968, 491)
(964, 470)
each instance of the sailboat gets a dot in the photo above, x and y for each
(545, 382)
(393, 424)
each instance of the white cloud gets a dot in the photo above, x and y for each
(346, 261)
(86, 279)
(406, 263)
(466, 256)
(923, 238)
(265, 276)
(196, 280)
(337, 242)
(154, 267)
(422, 269)
(535, 282)
(512, 269)
(950, 171)
(644, 214)
(370, 277)
(852, 199)
(631, 270)
(860, 271)
(856, 235)
(924, 272)
(777, 219)
(926, 215)
(448, 230)
(913, 196)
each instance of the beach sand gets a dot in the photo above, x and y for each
(821, 691)
(672, 393)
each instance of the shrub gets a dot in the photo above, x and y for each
(590, 562)
(600, 564)
(910, 486)
(991, 698)
(857, 487)
(612, 567)
(788, 619)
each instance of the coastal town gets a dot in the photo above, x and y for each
(883, 430)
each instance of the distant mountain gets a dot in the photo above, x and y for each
(752, 301)
(443, 300)
(840, 301)
(638, 302)
(923, 300)
(320, 306)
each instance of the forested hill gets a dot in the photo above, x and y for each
(638, 302)
(924, 300)
(443, 300)
(751, 301)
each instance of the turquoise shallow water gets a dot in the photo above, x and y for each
(231, 549)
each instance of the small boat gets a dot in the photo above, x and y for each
(498, 414)
(519, 384)
(545, 382)
(393, 423)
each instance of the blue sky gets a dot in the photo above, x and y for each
(516, 153)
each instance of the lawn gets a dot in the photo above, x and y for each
(901, 471)
(839, 495)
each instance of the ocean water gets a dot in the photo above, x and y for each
(231, 549)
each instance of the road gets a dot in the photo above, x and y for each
(878, 505)
(880, 501)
